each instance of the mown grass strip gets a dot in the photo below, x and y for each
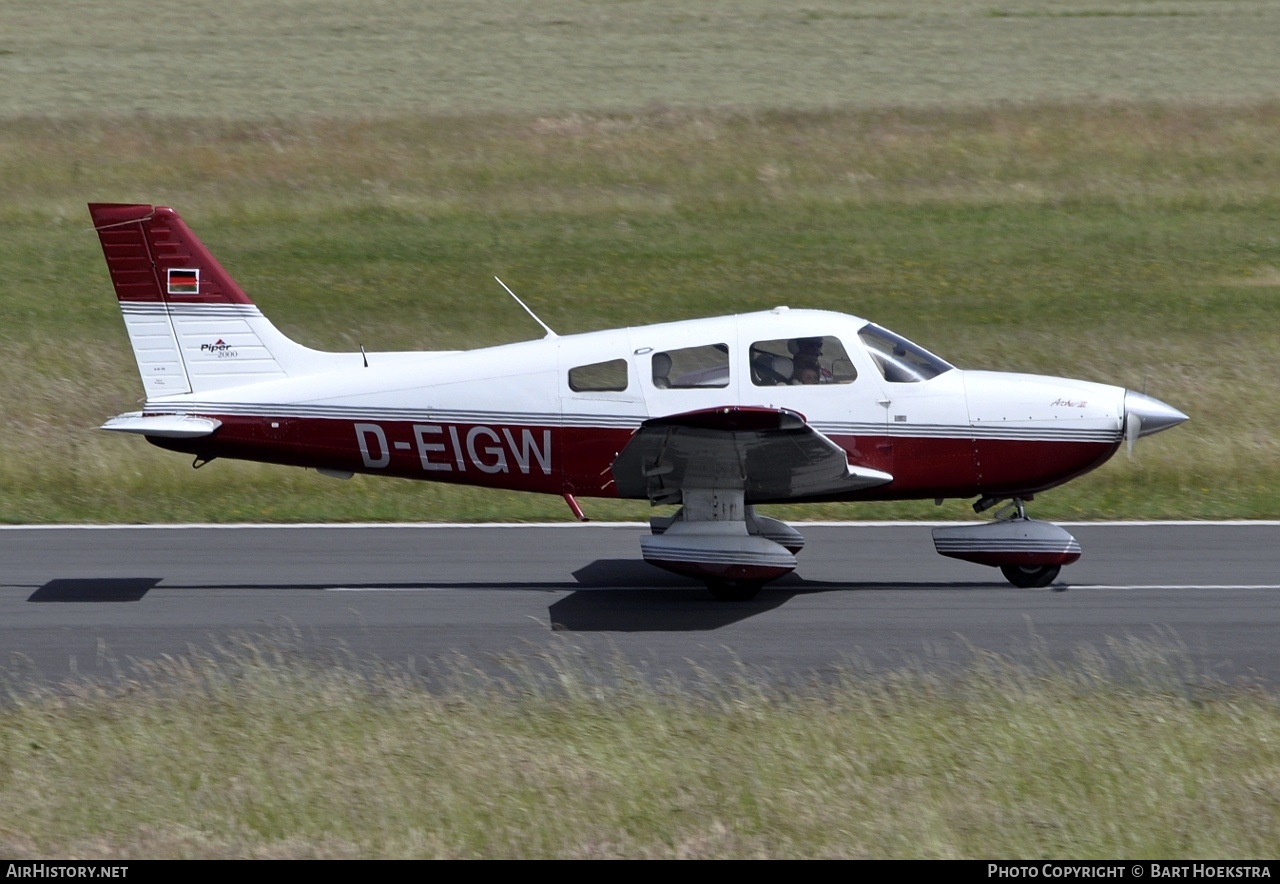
(381, 57)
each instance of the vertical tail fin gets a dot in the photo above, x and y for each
(192, 328)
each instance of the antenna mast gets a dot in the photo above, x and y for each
(550, 333)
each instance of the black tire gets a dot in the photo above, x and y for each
(734, 590)
(1030, 576)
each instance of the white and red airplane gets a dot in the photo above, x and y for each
(716, 415)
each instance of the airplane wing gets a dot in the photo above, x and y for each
(769, 453)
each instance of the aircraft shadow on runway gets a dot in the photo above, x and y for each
(94, 589)
(640, 598)
(613, 595)
(633, 574)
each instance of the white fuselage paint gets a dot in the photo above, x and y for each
(470, 403)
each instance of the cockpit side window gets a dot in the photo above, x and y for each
(899, 360)
(692, 367)
(599, 377)
(813, 360)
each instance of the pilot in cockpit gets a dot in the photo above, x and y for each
(805, 353)
(662, 371)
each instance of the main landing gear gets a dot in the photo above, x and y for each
(734, 590)
(716, 537)
(1029, 553)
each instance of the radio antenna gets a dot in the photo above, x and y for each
(550, 333)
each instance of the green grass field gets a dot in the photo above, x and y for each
(1132, 244)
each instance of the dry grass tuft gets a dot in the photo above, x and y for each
(253, 752)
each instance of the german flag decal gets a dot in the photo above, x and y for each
(184, 282)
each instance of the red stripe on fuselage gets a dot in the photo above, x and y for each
(579, 459)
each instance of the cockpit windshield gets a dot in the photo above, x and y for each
(899, 360)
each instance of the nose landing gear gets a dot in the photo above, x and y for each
(1029, 553)
(1030, 576)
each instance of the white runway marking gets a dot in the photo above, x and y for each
(1192, 586)
(389, 588)
(1172, 586)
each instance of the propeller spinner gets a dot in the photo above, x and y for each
(1145, 415)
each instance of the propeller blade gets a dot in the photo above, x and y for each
(1132, 430)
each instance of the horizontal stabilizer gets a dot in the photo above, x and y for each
(168, 426)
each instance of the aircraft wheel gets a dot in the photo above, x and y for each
(1030, 576)
(734, 590)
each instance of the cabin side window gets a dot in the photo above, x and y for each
(599, 377)
(691, 367)
(802, 361)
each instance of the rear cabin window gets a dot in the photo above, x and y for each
(599, 377)
(691, 367)
(815, 360)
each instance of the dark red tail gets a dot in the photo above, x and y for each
(153, 257)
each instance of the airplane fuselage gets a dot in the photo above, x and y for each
(510, 416)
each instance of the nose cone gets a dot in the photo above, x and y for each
(1144, 415)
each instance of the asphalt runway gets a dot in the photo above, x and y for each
(866, 598)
